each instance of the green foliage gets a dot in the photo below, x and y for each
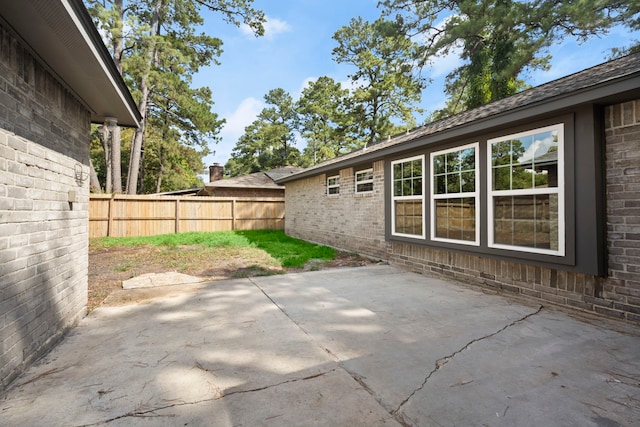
(324, 120)
(386, 83)
(288, 251)
(268, 142)
(499, 39)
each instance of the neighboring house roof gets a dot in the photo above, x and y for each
(617, 80)
(263, 180)
(187, 192)
(62, 35)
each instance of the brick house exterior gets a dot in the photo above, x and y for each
(255, 185)
(599, 271)
(45, 118)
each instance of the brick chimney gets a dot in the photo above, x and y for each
(216, 172)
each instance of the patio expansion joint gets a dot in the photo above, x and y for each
(152, 412)
(440, 363)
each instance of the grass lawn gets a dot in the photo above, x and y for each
(210, 256)
(289, 252)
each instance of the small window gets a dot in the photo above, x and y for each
(364, 181)
(455, 206)
(526, 191)
(407, 210)
(333, 185)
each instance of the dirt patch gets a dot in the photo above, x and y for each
(108, 267)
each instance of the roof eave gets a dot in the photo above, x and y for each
(61, 34)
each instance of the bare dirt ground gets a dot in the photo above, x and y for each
(108, 267)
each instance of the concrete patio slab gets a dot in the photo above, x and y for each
(366, 346)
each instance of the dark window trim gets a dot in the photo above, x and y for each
(584, 235)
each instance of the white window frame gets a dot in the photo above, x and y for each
(421, 197)
(336, 185)
(466, 195)
(366, 181)
(559, 190)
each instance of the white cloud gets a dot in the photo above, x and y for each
(272, 28)
(538, 147)
(305, 84)
(242, 117)
(444, 64)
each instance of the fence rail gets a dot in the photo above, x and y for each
(129, 216)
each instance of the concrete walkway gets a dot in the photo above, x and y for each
(367, 346)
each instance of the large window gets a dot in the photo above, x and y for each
(364, 181)
(526, 191)
(454, 195)
(333, 185)
(408, 203)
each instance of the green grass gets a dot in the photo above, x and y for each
(288, 251)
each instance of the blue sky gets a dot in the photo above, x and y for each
(297, 49)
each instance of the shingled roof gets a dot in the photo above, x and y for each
(598, 84)
(263, 180)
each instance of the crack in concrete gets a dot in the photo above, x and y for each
(440, 363)
(326, 350)
(148, 413)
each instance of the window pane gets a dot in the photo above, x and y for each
(364, 176)
(407, 178)
(501, 153)
(502, 178)
(453, 162)
(528, 221)
(407, 170)
(440, 184)
(408, 217)
(468, 182)
(417, 187)
(453, 183)
(362, 188)
(455, 219)
(521, 178)
(397, 188)
(417, 167)
(468, 159)
(397, 171)
(438, 164)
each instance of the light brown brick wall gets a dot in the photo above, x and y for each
(44, 153)
(350, 223)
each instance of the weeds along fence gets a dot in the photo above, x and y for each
(130, 216)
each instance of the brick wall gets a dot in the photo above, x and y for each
(44, 153)
(621, 292)
(350, 221)
(347, 223)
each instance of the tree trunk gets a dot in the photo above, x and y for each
(116, 140)
(106, 146)
(138, 136)
(94, 183)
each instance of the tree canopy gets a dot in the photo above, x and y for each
(386, 83)
(158, 49)
(499, 40)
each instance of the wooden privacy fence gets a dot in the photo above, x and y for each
(129, 216)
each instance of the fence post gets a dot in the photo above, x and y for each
(110, 216)
(177, 226)
(233, 214)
